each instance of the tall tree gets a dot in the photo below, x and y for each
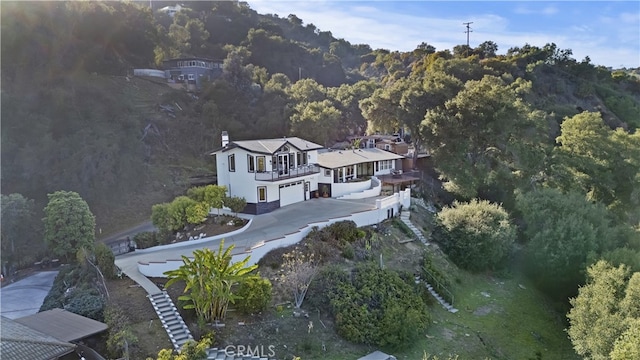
(486, 137)
(599, 162)
(209, 280)
(604, 318)
(564, 232)
(68, 224)
(19, 229)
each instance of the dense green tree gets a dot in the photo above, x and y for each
(563, 233)
(316, 121)
(405, 103)
(477, 235)
(68, 224)
(486, 50)
(209, 279)
(20, 229)
(603, 164)
(604, 318)
(486, 137)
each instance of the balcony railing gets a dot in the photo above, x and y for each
(284, 174)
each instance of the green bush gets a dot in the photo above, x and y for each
(477, 235)
(378, 308)
(255, 295)
(324, 286)
(87, 303)
(105, 260)
(146, 239)
(348, 252)
(344, 231)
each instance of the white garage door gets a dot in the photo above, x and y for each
(291, 193)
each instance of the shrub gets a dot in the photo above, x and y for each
(324, 287)
(477, 235)
(235, 203)
(348, 252)
(119, 331)
(391, 316)
(105, 260)
(87, 303)
(197, 213)
(255, 295)
(146, 239)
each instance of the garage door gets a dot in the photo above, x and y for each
(291, 193)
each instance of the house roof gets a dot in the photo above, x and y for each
(336, 159)
(270, 146)
(63, 325)
(20, 342)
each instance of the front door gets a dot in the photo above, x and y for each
(283, 164)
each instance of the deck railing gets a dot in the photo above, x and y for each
(278, 175)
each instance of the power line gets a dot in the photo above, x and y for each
(467, 31)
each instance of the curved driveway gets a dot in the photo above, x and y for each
(275, 224)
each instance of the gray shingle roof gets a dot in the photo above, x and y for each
(63, 324)
(270, 146)
(336, 159)
(20, 342)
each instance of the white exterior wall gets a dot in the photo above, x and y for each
(325, 179)
(257, 251)
(241, 182)
(341, 189)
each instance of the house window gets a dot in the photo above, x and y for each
(327, 172)
(304, 158)
(181, 77)
(251, 163)
(262, 193)
(291, 161)
(384, 164)
(232, 162)
(192, 77)
(299, 158)
(348, 172)
(261, 164)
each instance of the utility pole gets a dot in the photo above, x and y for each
(468, 31)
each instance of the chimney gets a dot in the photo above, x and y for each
(225, 139)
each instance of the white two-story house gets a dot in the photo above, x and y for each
(273, 173)
(268, 173)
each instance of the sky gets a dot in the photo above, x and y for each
(607, 32)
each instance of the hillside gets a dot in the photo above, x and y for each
(73, 120)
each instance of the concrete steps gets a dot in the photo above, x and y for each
(437, 296)
(404, 217)
(171, 320)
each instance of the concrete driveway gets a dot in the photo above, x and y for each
(263, 227)
(25, 297)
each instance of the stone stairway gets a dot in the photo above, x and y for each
(404, 216)
(171, 320)
(440, 299)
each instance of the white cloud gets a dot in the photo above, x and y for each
(365, 23)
